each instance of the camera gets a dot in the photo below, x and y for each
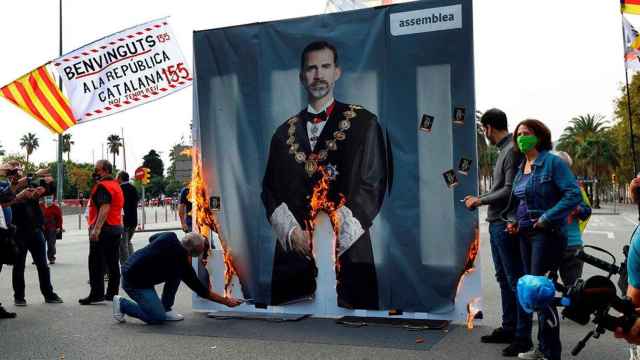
(589, 300)
(34, 182)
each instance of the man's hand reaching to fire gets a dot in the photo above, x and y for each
(227, 301)
(301, 241)
(231, 302)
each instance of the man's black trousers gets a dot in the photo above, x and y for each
(104, 253)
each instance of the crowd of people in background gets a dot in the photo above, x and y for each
(31, 221)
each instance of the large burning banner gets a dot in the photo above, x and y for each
(334, 152)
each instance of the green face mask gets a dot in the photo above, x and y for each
(527, 142)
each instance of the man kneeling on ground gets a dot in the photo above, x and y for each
(164, 260)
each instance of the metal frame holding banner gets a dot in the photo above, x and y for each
(338, 148)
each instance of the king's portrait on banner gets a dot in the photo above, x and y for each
(331, 156)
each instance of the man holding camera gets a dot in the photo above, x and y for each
(28, 220)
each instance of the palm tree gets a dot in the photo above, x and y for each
(114, 142)
(582, 129)
(590, 142)
(30, 143)
(66, 144)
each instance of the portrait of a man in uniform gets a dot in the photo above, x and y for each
(345, 143)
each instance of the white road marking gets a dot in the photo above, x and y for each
(609, 234)
(630, 220)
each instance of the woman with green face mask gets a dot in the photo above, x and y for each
(543, 195)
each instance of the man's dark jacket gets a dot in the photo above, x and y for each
(361, 163)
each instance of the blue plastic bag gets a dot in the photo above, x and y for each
(535, 292)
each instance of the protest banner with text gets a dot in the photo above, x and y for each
(123, 70)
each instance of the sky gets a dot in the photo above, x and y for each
(550, 60)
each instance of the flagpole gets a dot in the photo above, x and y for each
(629, 112)
(633, 146)
(59, 168)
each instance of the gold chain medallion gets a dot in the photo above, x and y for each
(311, 161)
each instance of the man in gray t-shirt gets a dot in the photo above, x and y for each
(516, 323)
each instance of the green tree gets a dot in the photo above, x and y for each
(28, 167)
(76, 178)
(172, 186)
(80, 178)
(153, 161)
(30, 143)
(621, 133)
(586, 131)
(66, 145)
(1, 150)
(114, 142)
(156, 186)
(622, 136)
(487, 154)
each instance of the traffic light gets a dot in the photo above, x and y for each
(143, 175)
(147, 176)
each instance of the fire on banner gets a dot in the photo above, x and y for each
(118, 72)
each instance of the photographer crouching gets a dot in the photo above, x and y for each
(28, 220)
(633, 271)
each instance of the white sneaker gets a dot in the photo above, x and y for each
(173, 316)
(534, 354)
(117, 313)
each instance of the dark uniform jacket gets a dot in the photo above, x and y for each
(352, 144)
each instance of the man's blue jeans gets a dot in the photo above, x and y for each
(505, 251)
(146, 305)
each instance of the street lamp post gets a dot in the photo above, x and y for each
(124, 152)
(59, 168)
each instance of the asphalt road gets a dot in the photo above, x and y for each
(70, 331)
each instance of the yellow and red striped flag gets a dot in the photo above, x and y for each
(37, 94)
(630, 6)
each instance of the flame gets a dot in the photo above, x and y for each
(187, 152)
(320, 202)
(472, 254)
(205, 220)
(472, 310)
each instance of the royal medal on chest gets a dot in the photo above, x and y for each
(314, 129)
(300, 156)
(310, 166)
(344, 125)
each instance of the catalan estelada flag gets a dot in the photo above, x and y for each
(630, 6)
(37, 94)
(631, 45)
